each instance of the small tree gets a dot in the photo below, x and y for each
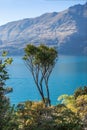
(41, 61)
(80, 91)
(4, 101)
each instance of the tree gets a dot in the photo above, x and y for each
(80, 91)
(81, 103)
(77, 103)
(66, 119)
(35, 116)
(69, 101)
(4, 101)
(41, 61)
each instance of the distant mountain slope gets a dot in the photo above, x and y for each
(67, 30)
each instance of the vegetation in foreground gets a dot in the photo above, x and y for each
(70, 114)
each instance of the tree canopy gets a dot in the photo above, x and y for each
(40, 61)
(77, 103)
(4, 101)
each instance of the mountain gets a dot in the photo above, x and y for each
(66, 30)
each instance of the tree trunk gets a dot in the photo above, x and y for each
(48, 94)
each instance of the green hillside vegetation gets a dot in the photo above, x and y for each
(70, 114)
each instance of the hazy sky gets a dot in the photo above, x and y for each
(11, 10)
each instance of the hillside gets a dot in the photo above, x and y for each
(66, 30)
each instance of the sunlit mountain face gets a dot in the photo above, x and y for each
(66, 30)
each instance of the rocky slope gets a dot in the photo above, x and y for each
(66, 30)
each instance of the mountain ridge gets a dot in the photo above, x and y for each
(66, 30)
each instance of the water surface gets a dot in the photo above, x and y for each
(69, 73)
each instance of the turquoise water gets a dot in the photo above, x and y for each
(69, 73)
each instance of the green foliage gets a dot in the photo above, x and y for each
(10, 122)
(4, 101)
(77, 103)
(41, 61)
(3, 72)
(81, 103)
(69, 101)
(41, 55)
(4, 54)
(71, 114)
(80, 91)
(35, 116)
(66, 119)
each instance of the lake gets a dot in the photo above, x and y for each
(69, 73)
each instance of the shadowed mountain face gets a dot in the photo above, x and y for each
(66, 30)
